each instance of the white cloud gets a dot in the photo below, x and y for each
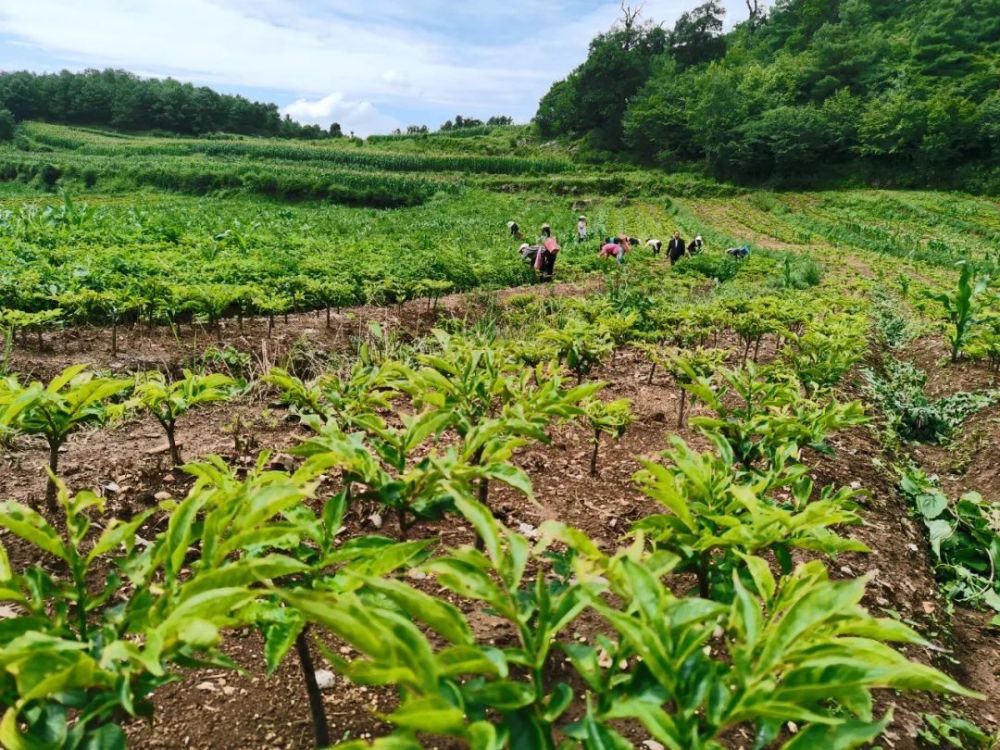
(434, 55)
(359, 117)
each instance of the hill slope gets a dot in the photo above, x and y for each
(905, 91)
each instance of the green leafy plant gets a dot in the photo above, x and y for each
(606, 418)
(961, 307)
(951, 730)
(493, 403)
(799, 649)
(72, 400)
(827, 349)
(965, 539)
(684, 366)
(715, 515)
(492, 696)
(347, 399)
(759, 412)
(105, 617)
(168, 400)
(581, 346)
(899, 393)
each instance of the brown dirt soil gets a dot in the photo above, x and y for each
(141, 347)
(218, 710)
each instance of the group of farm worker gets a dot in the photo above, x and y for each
(542, 254)
(616, 247)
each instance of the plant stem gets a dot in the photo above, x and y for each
(704, 562)
(404, 527)
(680, 415)
(593, 455)
(50, 489)
(321, 731)
(175, 454)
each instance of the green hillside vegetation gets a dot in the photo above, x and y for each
(901, 92)
(116, 98)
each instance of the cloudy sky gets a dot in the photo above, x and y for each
(371, 65)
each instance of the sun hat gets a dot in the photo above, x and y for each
(524, 247)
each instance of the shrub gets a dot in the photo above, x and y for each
(721, 267)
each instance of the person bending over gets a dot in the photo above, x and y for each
(675, 248)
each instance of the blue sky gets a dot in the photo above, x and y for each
(371, 65)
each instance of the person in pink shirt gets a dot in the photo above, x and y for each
(614, 250)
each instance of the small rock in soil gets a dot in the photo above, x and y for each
(324, 679)
(283, 461)
(527, 530)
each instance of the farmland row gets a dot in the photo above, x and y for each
(732, 509)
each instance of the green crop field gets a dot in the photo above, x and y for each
(713, 504)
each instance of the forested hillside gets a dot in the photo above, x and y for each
(905, 90)
(123, 100)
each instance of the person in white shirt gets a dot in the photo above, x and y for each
(581, 229)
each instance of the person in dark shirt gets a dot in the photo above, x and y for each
(676, 247)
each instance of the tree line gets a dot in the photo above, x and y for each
(888, 87)
(122, 100)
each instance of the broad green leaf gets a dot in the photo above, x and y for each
(444, 618)
(30, 526)
(432, 714)
(845, 736)
(503, 695)
(279, 637)
(106, 737)
(557, 702)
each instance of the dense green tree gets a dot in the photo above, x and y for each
(697, 35)
(904, 90)
(122, 100)
(7, 125)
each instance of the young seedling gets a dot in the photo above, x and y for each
(581, 346)
(606, 417)
(72, 400)
(169, 401)
(961, 307)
